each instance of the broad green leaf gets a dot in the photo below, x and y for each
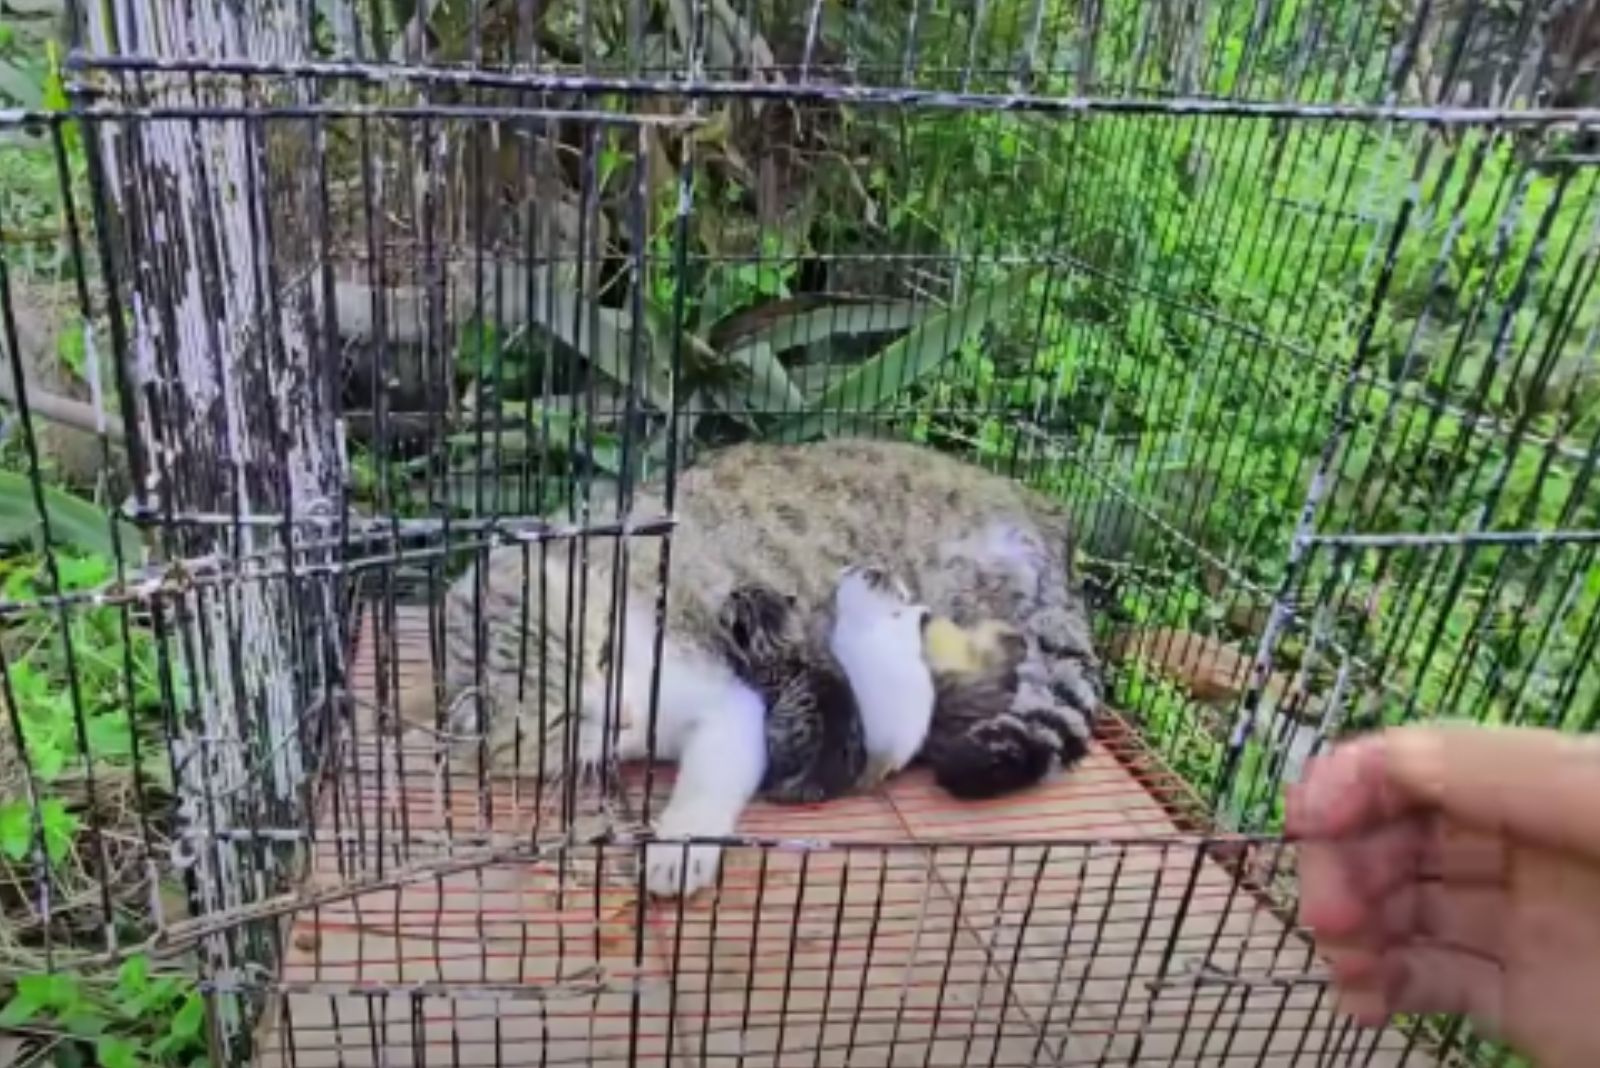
(16, 830)
(73, 521)
(134, 975)
(108, 737)
(816, 325)
(908, 359)
(19, 1010)
(85, 1022)
(52, 991)
(766, 388)
(23, 87)
(60, 827)
(48, 759)
(187, 1022)
(113, 1052)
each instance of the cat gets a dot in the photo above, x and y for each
(815, 746)
(525, 626)
(977, 746)
(877, 639)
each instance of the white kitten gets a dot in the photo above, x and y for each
(707, 721)
(877, 639)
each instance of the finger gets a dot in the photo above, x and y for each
(1353, 965)
(1428, 978)
(1368, 1005)
(1423, 978)
(1345, 792)
(1531, 784)
(1343, 881)
(1541, 786)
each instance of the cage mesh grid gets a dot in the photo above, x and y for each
(1367, 470)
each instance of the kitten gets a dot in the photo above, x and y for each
(525, 627)
(815, 750)
(877, 639)
(978, 747)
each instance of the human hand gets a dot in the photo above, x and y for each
(1457, 870)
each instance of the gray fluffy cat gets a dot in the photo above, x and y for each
(970, 544)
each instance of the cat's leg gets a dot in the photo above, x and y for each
(720, 767)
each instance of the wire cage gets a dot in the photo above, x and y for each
(307, 306)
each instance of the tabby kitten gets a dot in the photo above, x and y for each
(815, 749)
(978, 747)
(525, 626)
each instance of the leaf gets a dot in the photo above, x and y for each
(553, 429)
(73, 521)
(113, 1052)
(51, 991)
(48, 759)
(189, 1019)
(84, 1022)
(134, 976)
(71, 348)
(70, 1055)
(803, 329)
(20, 85)
(16, 830)
(19, 1010)
(60, 827)
(766, 389)
(109, 737)
(83, 573)
(908, 359)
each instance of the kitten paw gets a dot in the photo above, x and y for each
(673, 869)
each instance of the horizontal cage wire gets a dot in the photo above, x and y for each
(372, 374)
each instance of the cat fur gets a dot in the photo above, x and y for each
(978, 747)
(877, 639)
(525, 625)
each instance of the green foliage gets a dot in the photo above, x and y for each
(110, 699)
(74, 522)
(54, 829)
(139, 1021)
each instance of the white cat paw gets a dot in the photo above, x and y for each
(673, 869)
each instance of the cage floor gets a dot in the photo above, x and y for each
(1074, 925)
